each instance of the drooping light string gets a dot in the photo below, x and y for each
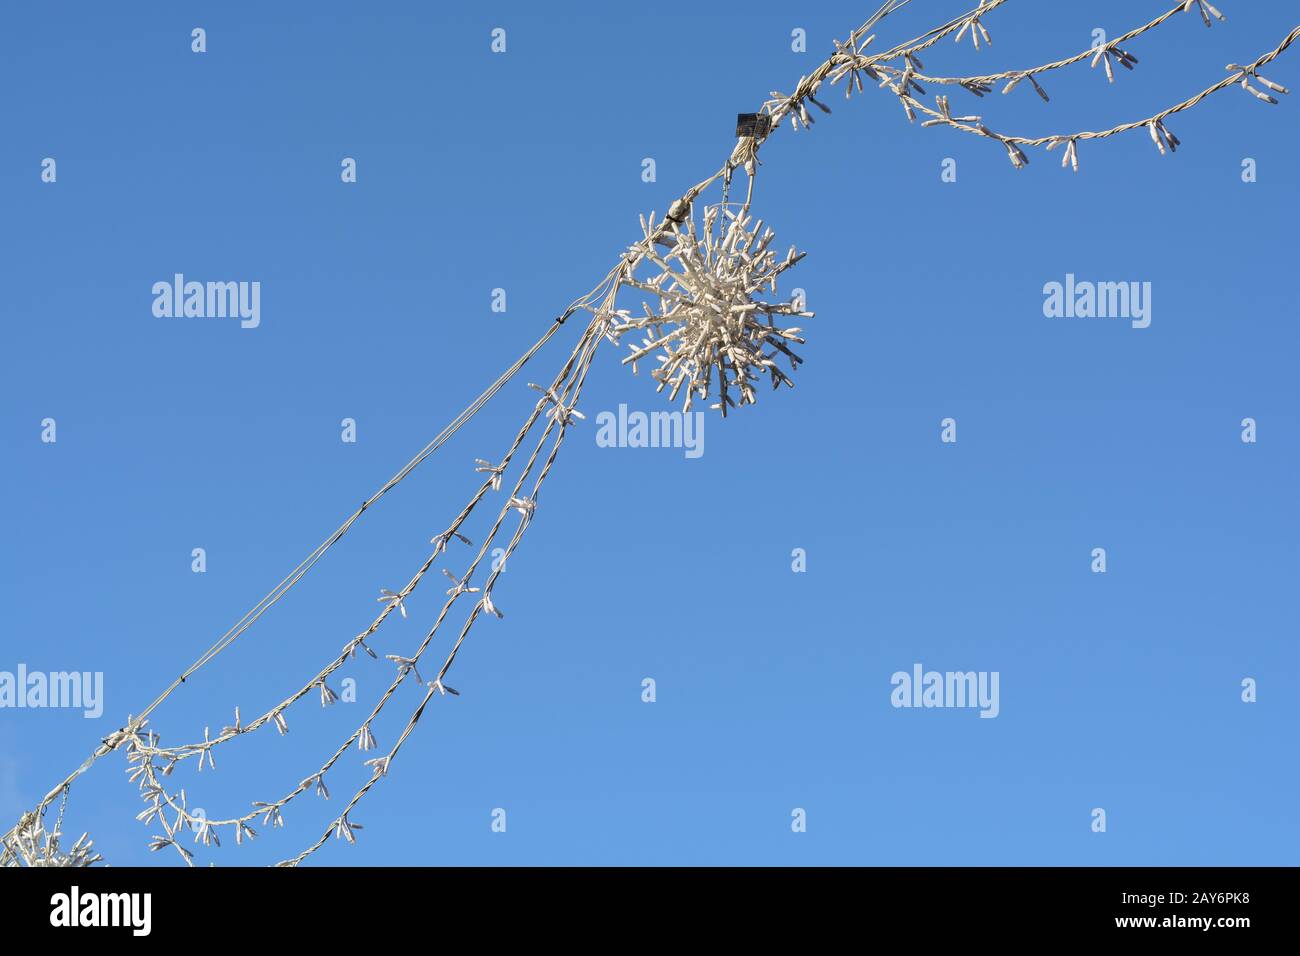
(904, 81)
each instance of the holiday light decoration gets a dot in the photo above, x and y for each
(714, 334)
(709, 321)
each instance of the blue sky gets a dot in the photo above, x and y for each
(523, 171)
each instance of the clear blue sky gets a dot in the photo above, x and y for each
(523, 171)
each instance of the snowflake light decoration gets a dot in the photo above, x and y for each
(33, 845)
(710, 324)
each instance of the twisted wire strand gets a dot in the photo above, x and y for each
(341, 825)
(143, 751)
(1236, 78)
(1091, 52)
(116, 739)
(183, 751)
